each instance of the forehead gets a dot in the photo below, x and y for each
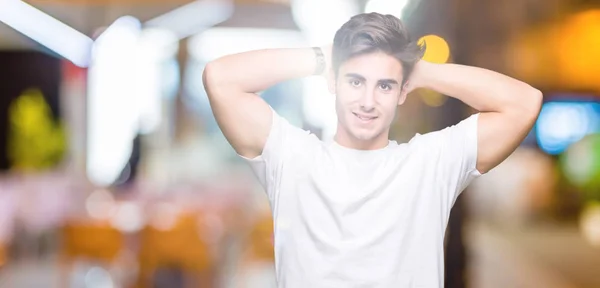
(373, 66)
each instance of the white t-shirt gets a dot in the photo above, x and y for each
(356, 218)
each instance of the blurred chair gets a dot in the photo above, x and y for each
(179, 246)
(256, 267)
(93, 241)
(8, 215)
(5, 277)
(261, 240)
(3, 256)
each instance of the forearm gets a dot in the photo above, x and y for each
(256, 71)
(482, 89)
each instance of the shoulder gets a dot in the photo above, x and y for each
(293, 139)
(466, 128)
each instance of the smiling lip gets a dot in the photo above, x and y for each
(364, 118)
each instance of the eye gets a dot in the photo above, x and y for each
(355, 83)
(385, 87)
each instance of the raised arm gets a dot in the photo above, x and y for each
(232, 83)
(508, 107)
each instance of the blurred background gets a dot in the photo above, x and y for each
(113, 172)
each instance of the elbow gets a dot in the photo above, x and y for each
(534, 104)
(210, 76)
(527, 106)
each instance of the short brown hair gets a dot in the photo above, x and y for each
(373, 32)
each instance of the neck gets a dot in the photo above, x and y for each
(346, 140)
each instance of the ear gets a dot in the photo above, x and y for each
(403, 92)
(331, 81)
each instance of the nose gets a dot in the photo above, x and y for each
(367, 101)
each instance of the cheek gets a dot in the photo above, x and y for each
(347, 97)
(389, 104)
(348, 92)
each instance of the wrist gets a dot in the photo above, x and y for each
(424, 74)
(326, 50)
(319, 61)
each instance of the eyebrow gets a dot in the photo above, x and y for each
(362, 78)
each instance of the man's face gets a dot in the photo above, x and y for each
(368, 90)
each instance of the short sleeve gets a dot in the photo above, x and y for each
(285, 141)
(455, 154)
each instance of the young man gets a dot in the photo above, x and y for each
(361, 210)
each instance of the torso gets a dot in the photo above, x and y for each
(349, 218)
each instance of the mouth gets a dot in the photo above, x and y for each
(364, 118)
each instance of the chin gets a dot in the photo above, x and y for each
(365, 135)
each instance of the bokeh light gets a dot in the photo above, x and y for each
(393, 7)
(561, 124)
(590, 223)
(581, 164)
(432, 98)
(438, 50)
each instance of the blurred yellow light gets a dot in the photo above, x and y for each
(2, 254)
(437, 50)
(568, 45)
(576, 47)
(432, 98)
(589, 223)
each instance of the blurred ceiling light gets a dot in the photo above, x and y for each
(155, 48)
(320, 19)
(319, 106)
(437, 50)
(218, 42)
(125, 93)
(194, 17)
(123, 25)
(393, 7)
(159, 43)
(46, 30)
(113, 117)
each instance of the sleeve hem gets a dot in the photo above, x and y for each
(268, 143)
